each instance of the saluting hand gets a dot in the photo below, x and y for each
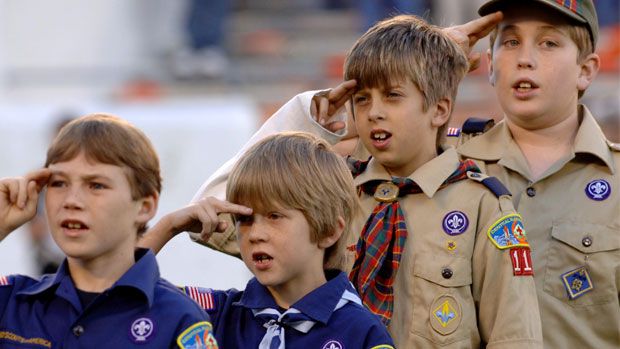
(468, 34)
(18, 199)
(328, 103)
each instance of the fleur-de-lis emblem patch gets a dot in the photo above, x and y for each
(141, 329)
(455, 223)
(332, 344)
(598, 190)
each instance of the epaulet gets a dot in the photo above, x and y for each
(492, 183)
(6, 280)
(613, 146)
(202, 296)
(475, 126)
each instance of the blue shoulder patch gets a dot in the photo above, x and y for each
(202, 296)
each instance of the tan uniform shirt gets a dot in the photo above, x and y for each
(572, 216)
(480, 300)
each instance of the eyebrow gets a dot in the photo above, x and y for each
(513, 28)
(87, 177)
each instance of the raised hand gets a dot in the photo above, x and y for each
(468, 34)
(328, 103)
(18, 199)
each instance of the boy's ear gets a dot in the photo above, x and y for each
(490, 67)
(328, 241)
(589, 69)
(147, 208)
(442, 112)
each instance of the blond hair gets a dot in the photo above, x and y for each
(298, 171)
(110, 140)
(406, 46)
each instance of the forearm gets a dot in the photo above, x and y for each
(158, 236)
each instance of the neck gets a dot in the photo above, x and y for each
(99, 274)
(542, 147)
(288, 294)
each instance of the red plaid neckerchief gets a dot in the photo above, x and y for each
(381, 242)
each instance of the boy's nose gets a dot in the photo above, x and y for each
(73, 199)
(376, 111)
(526, 59)
(257, 232)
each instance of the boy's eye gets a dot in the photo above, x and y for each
(550, 44)
(511, 43)
(97, 186)
(274, 215)
(393, 94)
(359, 99)
(56, 183)
(242, 219)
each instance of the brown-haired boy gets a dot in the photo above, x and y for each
(432, 259)
(293, 199)
(555, 160)
(103, 183)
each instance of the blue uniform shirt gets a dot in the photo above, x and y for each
(331, 317)
(139, 310)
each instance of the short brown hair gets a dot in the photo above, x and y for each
(406, 46)
(299, 171)
(110, 140)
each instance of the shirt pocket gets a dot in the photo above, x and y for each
(593, 246)
(443, 306)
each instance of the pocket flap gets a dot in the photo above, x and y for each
(587, 237)
(435, 268)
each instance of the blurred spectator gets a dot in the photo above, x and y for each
(376, 10)
(204, 55)
(608, 12)
(47, 255)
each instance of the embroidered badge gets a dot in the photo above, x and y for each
(202, 296)
(451, 245)
(386, 192)
(508, 232)
(141, 330)
(453, 132)
(445, 314)
(598, 190)
(332, 344)
(5, 280)
(521, 261)
(577, 282)
(197, 335)
(455, 223)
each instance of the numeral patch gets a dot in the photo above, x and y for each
(521, 261)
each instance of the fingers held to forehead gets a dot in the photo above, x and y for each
(40, 177)
(481, 27)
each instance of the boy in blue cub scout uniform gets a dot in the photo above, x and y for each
(103, 185)
(298, 199)
(554, 158)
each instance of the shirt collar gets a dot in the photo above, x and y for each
(318, 304)
(429, 176)
(143, 276)
(498, 145)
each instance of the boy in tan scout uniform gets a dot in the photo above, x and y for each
(433, 259)
(555, 160)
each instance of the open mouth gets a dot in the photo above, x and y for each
(73, 225)
(524, 86)
(261, 258)
(380, 135)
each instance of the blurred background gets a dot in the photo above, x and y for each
(199, 76)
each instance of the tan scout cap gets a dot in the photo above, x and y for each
(582, 11)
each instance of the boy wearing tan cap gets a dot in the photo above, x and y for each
(562, 172)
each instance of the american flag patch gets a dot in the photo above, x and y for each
(202, 296)
(4, 280)
(453, 132)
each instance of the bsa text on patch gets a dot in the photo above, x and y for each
(508, 232)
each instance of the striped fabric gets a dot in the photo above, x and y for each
(202, 296)
(381, 243)
(572, 5)
(4, 281)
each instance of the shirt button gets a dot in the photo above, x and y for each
(78, 330)
(446, 273)
(531, 192)
(586, 241)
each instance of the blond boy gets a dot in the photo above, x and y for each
(555, 160)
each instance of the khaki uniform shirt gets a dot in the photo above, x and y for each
(572, 217)
(486, 302)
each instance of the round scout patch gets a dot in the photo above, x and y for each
(332, 344)
(141, 330)
(445, 314)
(455, 223)
(598, 190)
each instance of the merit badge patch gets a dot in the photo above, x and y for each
(451, 245)
(508, 232)
(197, 336)
(521, 261)
(202, 296)
(141, 330)
(455, 223)
(598, 190)
(577, 282)
(445, 314)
